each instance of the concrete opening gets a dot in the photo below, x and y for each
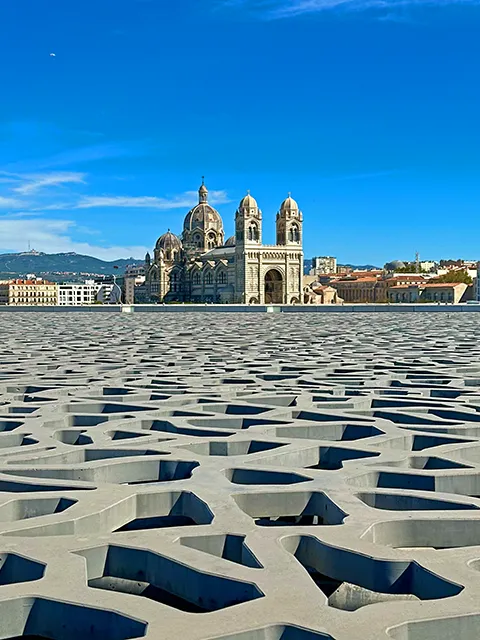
(290, 509)
(229, 547)
(352, 580)
(158, 511)
(44, 619)
(150, 575)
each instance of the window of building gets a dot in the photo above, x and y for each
(208, 278)
(222, 277)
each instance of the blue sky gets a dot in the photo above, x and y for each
(366, 110)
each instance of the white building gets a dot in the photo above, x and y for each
(323, 264)
(89, 292)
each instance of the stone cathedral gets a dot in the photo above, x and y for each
(200, 266)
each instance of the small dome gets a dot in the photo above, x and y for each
(169, 242)
(289, 204)
(248, 202)
(230, 242)
(394, 265)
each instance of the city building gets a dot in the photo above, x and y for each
(323, 264)
(134, 288)
(364, 289)
(200, 266)
(109, 290)
(369, 287)
(452, 293)
(76, 293)
(28, 292)
(321, 294)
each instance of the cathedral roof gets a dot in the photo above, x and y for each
(289, 204)
(231, 242)
(203, 215)
(169, 242)
(248, 202)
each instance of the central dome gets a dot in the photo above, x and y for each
(202, 216)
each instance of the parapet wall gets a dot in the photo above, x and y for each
(257, 308)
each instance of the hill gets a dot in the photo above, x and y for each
(20, 264)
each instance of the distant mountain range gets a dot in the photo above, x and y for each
(359, 267)
(55, 265)
(21, 264)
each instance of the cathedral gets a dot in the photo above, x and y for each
(200, 266)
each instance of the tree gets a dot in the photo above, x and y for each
(457, 275)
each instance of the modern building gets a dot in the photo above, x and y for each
(323, 264)
(109, 290)
(76, 293)
(200, 266)
(28, 292)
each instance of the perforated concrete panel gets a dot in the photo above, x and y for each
(240, 476)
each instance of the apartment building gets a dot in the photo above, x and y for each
(76, 293)
(452, 293)
(323, 264)
(88, 292)
(28, 292)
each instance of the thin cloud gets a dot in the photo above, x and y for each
(35, 182)
(275, 9)
(11, 203)
(182, 201)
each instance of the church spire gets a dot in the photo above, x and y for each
(203, 193)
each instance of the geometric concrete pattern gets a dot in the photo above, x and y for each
(240, 476)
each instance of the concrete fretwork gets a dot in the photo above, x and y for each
(240, 477)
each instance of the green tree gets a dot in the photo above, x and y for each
(455, 276)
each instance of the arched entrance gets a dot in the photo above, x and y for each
(273, 287)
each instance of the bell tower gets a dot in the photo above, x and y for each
(248, 222)
(289, 223)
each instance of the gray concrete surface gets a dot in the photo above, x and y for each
(239, 477)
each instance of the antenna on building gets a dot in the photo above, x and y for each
(417, 262)
(29, 246)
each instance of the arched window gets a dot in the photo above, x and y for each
(294, 234)
(196, 278)
(174, 276)
(222, 277)
(169, 255)
(209, 278)
(250, 233)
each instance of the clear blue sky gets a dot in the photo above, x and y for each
(366, 110)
